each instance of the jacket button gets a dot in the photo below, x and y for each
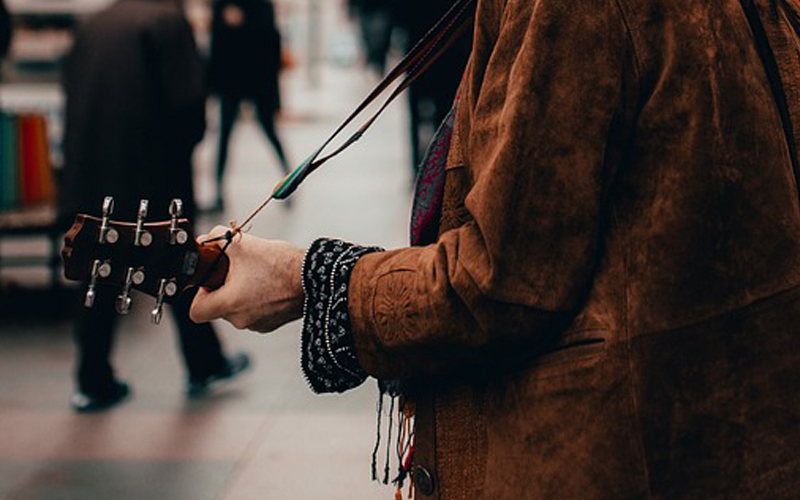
(423, 480)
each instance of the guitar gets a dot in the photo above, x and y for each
(160, 259)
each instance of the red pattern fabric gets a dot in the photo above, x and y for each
(429, 190)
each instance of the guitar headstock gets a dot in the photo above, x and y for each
(160, 259)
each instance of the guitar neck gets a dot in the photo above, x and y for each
(188, 263)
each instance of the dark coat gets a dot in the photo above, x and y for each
(246, 58)
(611, 310)
(135, 110)
(5, 30)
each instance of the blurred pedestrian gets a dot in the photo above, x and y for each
(375, 24)
(5, 30)
(135, 109)
(245, 65)
(431, 96)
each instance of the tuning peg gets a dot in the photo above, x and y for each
(108, 234)
(177, 236)
(134, 276)
(176, 208)
(100, 269)
(143, 238)
(166, 288)
(88, 301)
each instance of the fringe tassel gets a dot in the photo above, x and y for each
(377, 439)
(400, 446)
(389, 441)
(405, 449)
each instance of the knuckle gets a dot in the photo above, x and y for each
(238, 322)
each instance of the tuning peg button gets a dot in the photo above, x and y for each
(104, 271)
(179, 237)
(112, 236)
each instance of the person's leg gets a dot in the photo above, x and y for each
(200, 346)
(229, 109)
(376, 32)
(98, 388)
(202, 352)
(94, 337)
(266, 116)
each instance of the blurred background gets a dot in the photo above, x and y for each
(263, 434)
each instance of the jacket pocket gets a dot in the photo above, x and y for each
(565, 359)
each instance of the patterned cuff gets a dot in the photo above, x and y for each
(328, 358)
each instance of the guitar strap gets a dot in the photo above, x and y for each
(438, 39)
(767, 57)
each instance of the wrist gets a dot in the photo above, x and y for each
(296, 265)
(294, 268)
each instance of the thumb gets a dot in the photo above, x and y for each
(208, 306)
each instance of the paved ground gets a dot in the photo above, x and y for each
(266, 436)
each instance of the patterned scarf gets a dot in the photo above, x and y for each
(429, 191)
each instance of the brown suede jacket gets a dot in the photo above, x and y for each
(612, 309)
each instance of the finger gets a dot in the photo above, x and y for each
(207, 305)
(208, 240)
(218, 231)
(215, 234)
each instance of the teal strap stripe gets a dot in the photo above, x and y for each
(289, 183)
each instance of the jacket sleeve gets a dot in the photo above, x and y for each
(544, 94)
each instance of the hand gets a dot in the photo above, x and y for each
(263, 289)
